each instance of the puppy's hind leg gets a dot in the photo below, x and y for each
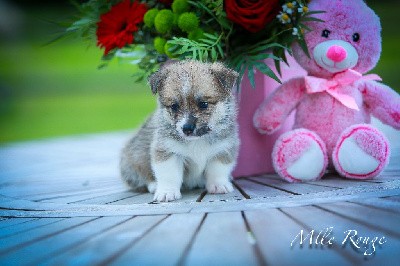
(134, 180)
(152, 186)
(138, 175)
(218, 174)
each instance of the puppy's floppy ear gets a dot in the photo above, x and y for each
(157, 79)
(225, 77)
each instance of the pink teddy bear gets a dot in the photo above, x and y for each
(334, 103)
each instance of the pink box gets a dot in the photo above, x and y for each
(255, 149)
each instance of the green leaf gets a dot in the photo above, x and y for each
(57, 38)
(264, 56)
(283, 57)
(305, 27)
(241, 69)
(183, 49)
(309, 13)
(84, 22)
(266, 47)
(200, 55)
(210, 42)
(221, 52)
(250, 75)
(266, 70)
(214, 55)
(201, 5)
(278, 67)
(312, 19)
(205, 56)
(303, 46)
(194, 54)
(225, 23)
(139, 76)
(203, 45)
(211, 36)
(236, 62)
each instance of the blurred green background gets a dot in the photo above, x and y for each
(57, 90)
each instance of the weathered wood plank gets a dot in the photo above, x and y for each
(47, 248)
(6, 222)
(259, 190)
(229, 197)
(318, 219)
(274, 232)
(165, 244)
(393, 198)
(30, 190)
(222, 240)
(188, 196)
(379, 203)
(292, 188)
(108, 198)
(24, 227)
(20, 240)
(335, 181)
(77, 198)
(375, 219)
(107, 246)
(141, 198)
(54, 196)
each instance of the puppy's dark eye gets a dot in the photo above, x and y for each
(325, 33)
(175, 107)
(356, 37)
(203, 105)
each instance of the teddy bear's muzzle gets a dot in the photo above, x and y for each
(335, 55)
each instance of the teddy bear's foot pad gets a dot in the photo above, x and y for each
(300, 155)
(361, 153)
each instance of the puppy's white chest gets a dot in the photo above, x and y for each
(199, 152)
(196, 154)
(196, 159)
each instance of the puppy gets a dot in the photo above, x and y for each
(191, 140)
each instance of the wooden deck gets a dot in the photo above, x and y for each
(62, 203)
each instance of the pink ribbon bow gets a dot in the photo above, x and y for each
(331, 86)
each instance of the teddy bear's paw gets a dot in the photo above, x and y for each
(361, 152)
(263, 125)
(300, 155)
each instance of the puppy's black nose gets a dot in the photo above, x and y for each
(188, 128)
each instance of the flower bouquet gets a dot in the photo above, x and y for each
(241, 33)
(252, 37)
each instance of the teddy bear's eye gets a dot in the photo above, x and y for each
(325, 33)
(356, 37)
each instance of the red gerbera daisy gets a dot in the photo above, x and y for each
(117, 26)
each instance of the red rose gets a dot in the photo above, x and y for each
(252, 15)
(117, 26)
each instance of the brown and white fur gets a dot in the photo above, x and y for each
(191, 140)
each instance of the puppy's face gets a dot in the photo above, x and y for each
(193, 96)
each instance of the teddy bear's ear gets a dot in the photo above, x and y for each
(157, 79)
(224, 77)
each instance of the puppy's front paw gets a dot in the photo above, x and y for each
(163, 195)
(219, 188)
